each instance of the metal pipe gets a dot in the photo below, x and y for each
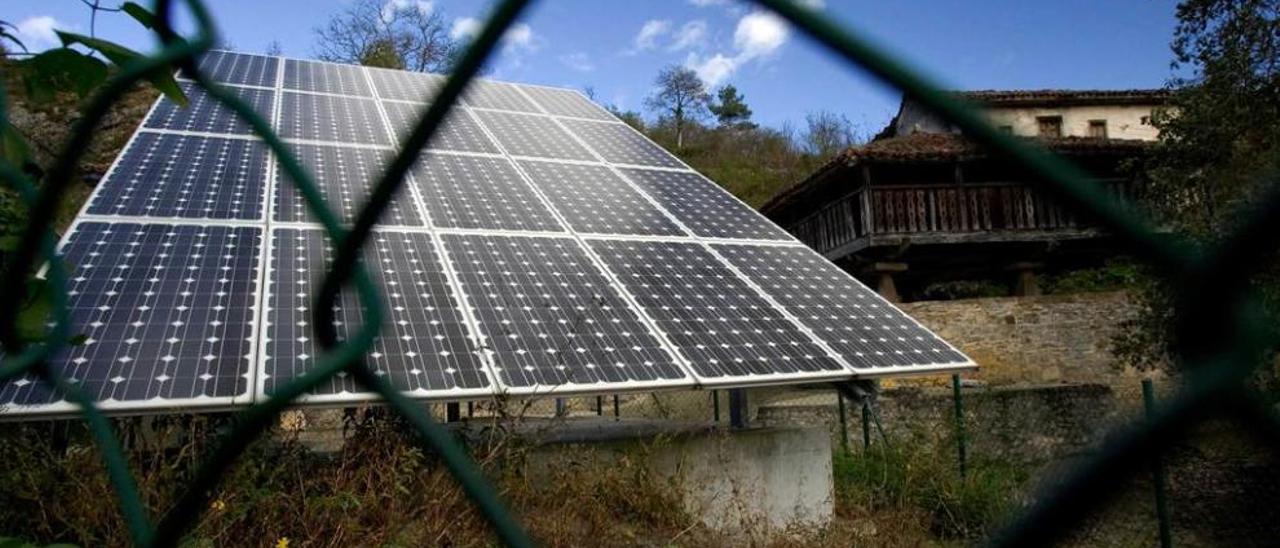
(961, 449)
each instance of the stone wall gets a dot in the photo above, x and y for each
(1034, 340)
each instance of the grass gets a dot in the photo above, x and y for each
(917, 479)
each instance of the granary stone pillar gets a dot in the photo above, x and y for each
(1025, 283)
(885, 285)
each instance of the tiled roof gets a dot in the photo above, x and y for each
(1037, 97)
(945, 147)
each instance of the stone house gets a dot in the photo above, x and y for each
(921, 203)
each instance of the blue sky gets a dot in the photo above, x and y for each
(618, 46)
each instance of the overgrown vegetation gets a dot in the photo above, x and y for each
(379, 489)
(1218, 152)
(917, 475)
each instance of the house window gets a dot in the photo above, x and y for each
(1050, 126)
(1098, 129)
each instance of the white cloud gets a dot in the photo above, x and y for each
(649, 33)
(760, 33)
(464, 28)
(690, 34)
(519, 37)
(37, 32)
(391, 7)
(714, 69)
(578, 61)
(757, 35)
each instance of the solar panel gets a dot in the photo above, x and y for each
(619, 144)
(532, 135)
(860, 325)
(540, 246)
(163, 175)
(167, 312)
(552, 321)
(405, 86)
(424, 348)
(240, 69)
(703, 206)
(593, 199)
(563, 102)
(497, 95)
(459, 132)
(325, 78)
(727, 331)
(344, 176)
(204, 114)
(332, 118)
(480, 192)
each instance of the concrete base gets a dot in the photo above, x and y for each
(744, 481)
(778, 478)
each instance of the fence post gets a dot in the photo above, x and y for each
(961, 449)
(738, 408)
(1157, 471)
(844, 424)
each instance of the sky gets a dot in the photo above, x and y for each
(617, 47)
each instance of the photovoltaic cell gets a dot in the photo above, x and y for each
(564, 102)
(702, 206)
(726, 331)
(331, 118)
(595, 200)
(239, 68)
(459, 132)
(620, 144)
(167, 312)
(344, 176)
(165, 175)
(424, 348)
(497, 95)
(404, 85)
(551, 319)
(479, 192)
(325, 78)
(530, 135)
(860, 325)
(206, 114)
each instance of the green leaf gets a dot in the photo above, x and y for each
(140, 13)
(59, 70)
(120, 55)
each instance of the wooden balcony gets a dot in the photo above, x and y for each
(940, 214)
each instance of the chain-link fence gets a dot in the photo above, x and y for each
(1219, 337)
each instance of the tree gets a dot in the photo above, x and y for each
(730, 109)
(382, 53)
(1218, 149)
(681, 97)
(387, 34)
(274, 49)
(828, 133)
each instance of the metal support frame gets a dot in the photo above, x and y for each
(738, 408)
(1157, 471)
(861, 393)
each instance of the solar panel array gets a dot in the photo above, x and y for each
(540, 246)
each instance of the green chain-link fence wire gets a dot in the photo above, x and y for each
(1220, 336)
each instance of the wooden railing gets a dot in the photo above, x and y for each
(938, 209)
